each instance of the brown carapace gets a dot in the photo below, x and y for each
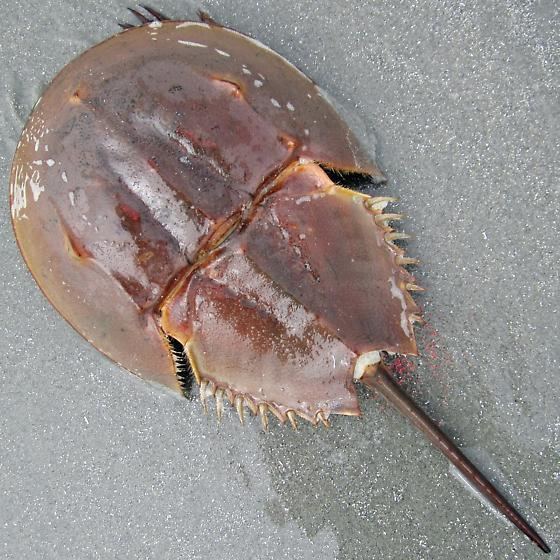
(172, 194)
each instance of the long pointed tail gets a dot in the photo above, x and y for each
(378, 379)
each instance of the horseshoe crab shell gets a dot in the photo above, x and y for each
(150, 148)
(172, 195)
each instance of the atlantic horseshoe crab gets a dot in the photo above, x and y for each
(173, 196)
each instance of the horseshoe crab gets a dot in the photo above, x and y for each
(180, 194)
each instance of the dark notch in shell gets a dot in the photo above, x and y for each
(350, 179)
(183, 368)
